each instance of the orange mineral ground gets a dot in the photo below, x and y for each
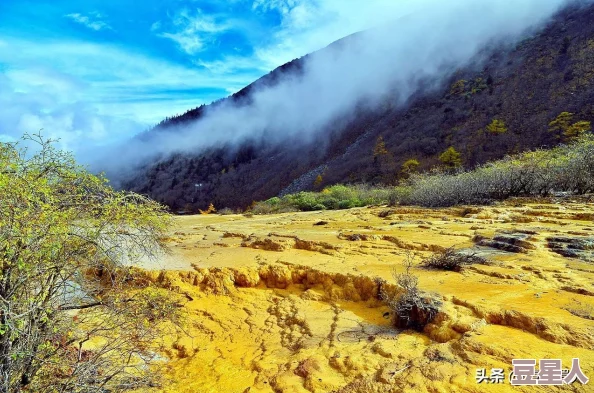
(290, 302)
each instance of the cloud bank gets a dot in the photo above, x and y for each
(93, 94)
(418, 40)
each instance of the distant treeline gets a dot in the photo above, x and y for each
(567, 168)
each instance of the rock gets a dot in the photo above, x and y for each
(246, 278)
(572, 247)
(307, 367)
(516, 242)
(381, 350)
(266, 244)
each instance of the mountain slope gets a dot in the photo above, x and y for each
(525, 87)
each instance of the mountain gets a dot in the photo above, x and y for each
(503, 102)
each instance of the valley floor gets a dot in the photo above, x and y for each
(289, 302)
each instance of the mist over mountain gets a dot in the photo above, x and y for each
(433, 79)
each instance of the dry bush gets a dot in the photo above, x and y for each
(386, 213)
(452, 260)
(226, 211)
(567, 168)
(412, 309)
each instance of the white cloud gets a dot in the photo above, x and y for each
(193, 31)
(189, 43)
(93, 94)
(94, 24)
(156, 26)
(282, 6)
(306, 26)
(380, 64)
(111, 71)
(309, 25)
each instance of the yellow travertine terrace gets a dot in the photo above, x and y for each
(289, 302)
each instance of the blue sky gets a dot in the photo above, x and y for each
(93, 71)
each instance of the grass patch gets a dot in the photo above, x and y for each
(331, 198)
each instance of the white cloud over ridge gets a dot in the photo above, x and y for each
(417, 39)
(92, 94)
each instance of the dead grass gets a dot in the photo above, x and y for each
(580, 309)
(452, 260)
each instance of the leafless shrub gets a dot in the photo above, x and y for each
(412, 309)
(452, 260)
(567, 168)
(226, 211)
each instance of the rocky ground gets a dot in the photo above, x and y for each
(290, 302)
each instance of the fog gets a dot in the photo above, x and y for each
(434, 38)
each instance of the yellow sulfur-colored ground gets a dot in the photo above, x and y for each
(289, 302)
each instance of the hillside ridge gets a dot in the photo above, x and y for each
(524, 87)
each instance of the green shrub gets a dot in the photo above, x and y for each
(263, 208)
(274, 201)
(341, 192)
(398, 194)
(331, 203)
(345, 205)
(305, 201)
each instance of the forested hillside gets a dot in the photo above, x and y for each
(512, 98)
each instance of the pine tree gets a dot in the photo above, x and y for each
(451, 158)
(497, 127)
(576, 130)
(318, 181)
(410, 166)
(562, 122)
(380, 147)
(569, 132)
